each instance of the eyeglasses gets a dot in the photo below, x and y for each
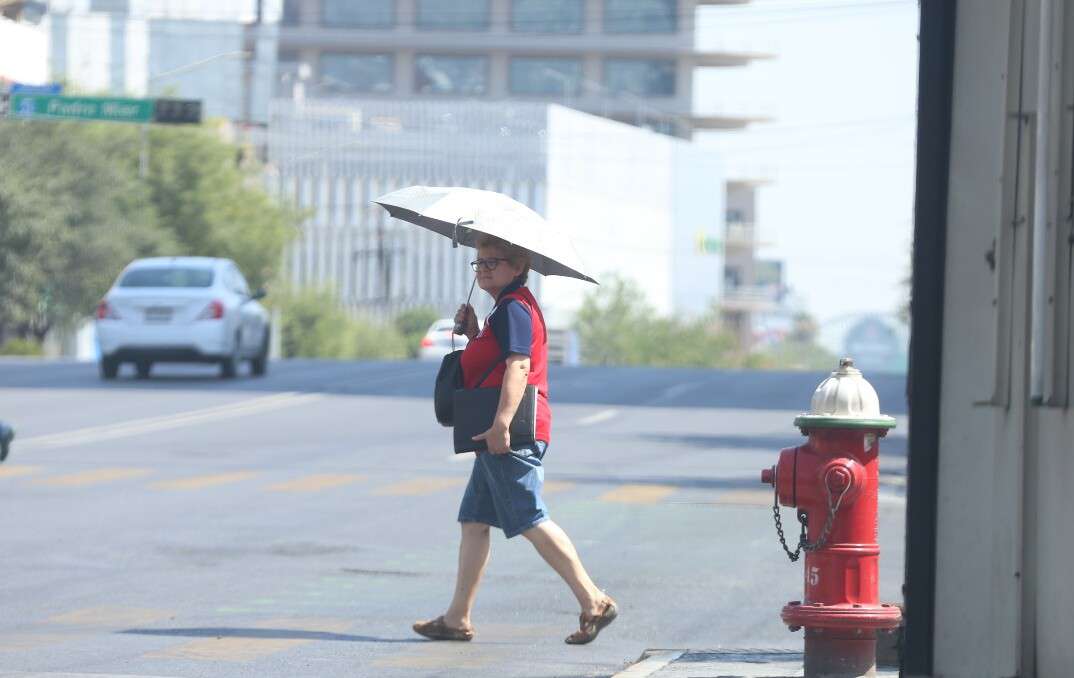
(487, 264)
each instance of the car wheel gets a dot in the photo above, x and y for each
(144, 367)
(229, 366)
(109, 368)
(259, 365)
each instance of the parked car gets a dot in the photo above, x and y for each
(7, 434)
(182, 309)
(437, 341)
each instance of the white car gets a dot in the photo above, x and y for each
(182, 309)
(437, 341)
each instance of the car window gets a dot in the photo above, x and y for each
(241, 285)
(177, 276)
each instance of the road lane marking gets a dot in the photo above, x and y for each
(110, 616)
(602, 416)
(36, 674)
(94, 477)
(553, 486)
(199, 482)
(247, 649)
(18, 471)
(25, 642)
(137, 427)
(638, 494)
(316, 483)
(419, 486)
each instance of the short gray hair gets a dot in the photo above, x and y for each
(518, 256)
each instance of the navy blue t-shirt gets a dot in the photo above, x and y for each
(511, 325)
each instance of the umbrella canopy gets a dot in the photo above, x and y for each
(465, 214)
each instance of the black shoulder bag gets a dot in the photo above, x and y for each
(475, 410)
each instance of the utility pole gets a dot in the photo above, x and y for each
(250, 53)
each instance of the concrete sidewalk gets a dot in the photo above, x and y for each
(723, 664)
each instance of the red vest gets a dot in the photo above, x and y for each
(484, 350)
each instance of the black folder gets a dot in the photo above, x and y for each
(475, 410)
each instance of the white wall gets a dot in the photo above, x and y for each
(23, 53)
(698, 212)
(1005, 538)
(633, 202)
(176, 45)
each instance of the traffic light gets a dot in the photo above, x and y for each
(177, 111)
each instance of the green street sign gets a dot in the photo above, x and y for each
(55, 107)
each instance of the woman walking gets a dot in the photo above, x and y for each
(505, 485)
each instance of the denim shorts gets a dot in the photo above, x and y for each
(505, 490)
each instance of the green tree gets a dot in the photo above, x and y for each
(798, 351)
(212, 207)
(315, 326)
(413, 324)
(74, 211)
(616, 327)
(71, 216)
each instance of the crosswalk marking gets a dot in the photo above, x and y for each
(103, 475)
(638, 494)
(419, 486)
(110, 616)
(17, 471)
(316, 483)
(199, 482)
(246, 645)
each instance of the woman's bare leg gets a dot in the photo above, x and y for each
(473, 556)
(556, 548)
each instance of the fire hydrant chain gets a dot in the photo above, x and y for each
(803, 519)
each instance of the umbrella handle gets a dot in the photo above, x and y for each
(458, 326)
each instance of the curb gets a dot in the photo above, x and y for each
(649, 663)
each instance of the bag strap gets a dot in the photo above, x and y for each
(505, 353)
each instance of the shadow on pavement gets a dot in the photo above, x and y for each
(265, 634)
(623, 386)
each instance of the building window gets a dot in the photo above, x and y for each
(358, 13)
(344, 74)
(287, 73)
(442, 74)
(292, 13)
(642, 77)
(548, 16)
(453, 15)
(546, 76)
(641, 16)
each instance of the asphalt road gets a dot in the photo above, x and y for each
(297, 525)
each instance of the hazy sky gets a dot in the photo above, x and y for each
(840, 151)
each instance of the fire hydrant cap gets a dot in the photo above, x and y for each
(845, 400)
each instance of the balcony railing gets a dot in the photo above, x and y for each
(754, 298)
(741, 234)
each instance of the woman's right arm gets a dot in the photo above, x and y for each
(466, 318)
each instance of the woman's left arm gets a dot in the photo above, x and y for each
(515, 378)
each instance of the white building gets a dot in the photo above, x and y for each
(213, 51)
(23, 53)
(636, 202)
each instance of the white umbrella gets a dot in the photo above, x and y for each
(465, 214)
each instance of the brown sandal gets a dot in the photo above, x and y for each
(590, 625)
(437, 629)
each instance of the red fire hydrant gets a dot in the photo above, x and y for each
(832, 480)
